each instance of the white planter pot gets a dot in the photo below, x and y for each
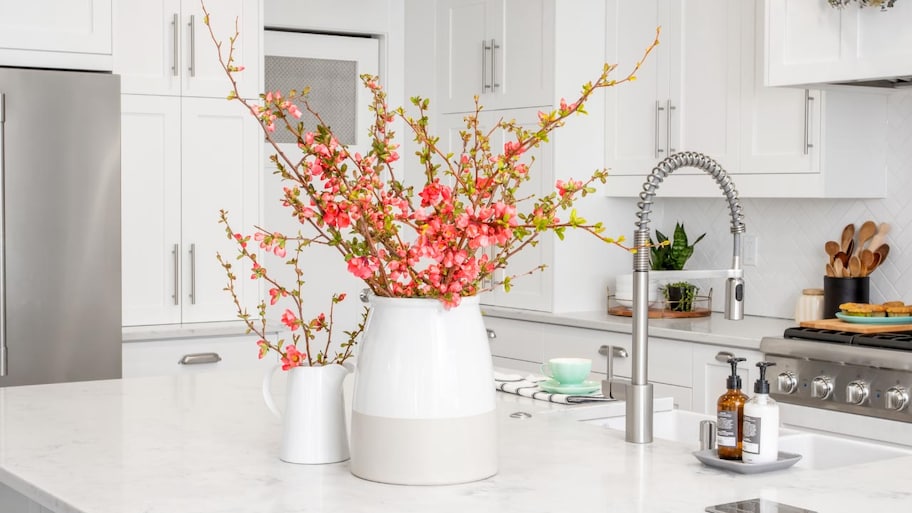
(423, 410)
(313, 423)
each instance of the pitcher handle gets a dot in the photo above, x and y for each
(267, 391)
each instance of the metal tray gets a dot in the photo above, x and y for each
(710, 457)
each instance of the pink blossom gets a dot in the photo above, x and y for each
(290, 319)
(292, 358)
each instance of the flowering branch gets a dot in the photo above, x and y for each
(464, 223)
(291, 354)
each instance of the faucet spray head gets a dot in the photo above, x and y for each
(734, 299)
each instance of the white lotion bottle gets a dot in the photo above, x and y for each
(760, 442)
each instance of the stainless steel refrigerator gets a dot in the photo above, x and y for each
(60, 295)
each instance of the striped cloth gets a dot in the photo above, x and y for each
(528, 387)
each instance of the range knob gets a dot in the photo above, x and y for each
(856, 392)
(897, 398)
(822, 387)
(788, 382)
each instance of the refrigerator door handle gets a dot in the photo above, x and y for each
(192, 274)
(4, 363)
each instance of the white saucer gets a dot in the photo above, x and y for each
(586, 387)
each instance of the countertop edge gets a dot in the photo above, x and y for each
(714, 329)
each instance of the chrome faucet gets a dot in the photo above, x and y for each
(638, 393)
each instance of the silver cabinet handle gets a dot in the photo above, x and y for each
(807, 121)
(192, 274)
(192, 45)
(4, 363)
(612, 352)
(724, 356)
(175, 35)
(668, 108)
(484, 66)
(199, 358)
(658, 149)
(175, 254)
(494, 47)
(491, 334)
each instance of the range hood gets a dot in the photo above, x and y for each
(883, 83)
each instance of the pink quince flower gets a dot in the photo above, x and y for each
(293, 358)
(289, 319)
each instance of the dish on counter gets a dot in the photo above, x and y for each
(710, 458)
(873, 320)
(584, 388)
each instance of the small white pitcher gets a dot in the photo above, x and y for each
(314, 419)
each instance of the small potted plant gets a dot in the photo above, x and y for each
(671, 255)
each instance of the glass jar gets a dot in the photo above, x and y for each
(809, 306)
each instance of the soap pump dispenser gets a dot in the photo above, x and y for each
(730, 415)
(760, 442)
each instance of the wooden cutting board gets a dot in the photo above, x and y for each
(840, 325)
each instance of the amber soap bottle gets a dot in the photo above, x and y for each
(730, 415)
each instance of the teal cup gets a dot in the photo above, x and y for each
(567, 371)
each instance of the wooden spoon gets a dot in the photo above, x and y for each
(830, 271)
(883, 250)
(854, 266)
(867, 230)
(831, 247)
(843, 258)
(867, 261)
(838, 268)
(880, 237)
(847, 234)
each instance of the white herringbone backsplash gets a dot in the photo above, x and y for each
(791, 232)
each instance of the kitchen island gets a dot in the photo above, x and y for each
(205, 443)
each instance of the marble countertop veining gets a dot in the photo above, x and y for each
(714, 329)
(206, 444)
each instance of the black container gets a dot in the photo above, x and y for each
(843, 290)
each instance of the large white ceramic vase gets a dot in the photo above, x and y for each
(423, 411)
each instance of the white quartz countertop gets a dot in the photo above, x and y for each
(205, 443)
(714, 329)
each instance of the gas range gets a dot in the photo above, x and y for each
(863, 374)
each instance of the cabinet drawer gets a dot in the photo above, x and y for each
(164, 357)
(517, 340)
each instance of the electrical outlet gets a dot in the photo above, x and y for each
(749, 244)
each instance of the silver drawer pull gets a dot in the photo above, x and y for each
(491, 334)
(199, 358)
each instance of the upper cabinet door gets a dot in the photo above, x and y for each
(501, 51)
(82, 26)
(463, 50)
(164, 47)
(203, 75)
(147, 47)
(812, 42)
(71, 34)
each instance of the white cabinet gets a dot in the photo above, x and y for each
(68, 34)
(533, 290)
(193, 355)
(773, 142)
(164, 47)
(811, 42)
(686, 94)
(711, 370)
(184, 159)
(498, 50)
